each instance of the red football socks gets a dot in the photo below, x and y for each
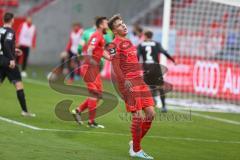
(136, 130)
(146, 125)
(92, 104)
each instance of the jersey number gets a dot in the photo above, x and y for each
(149, 58)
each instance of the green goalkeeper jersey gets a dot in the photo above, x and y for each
(87, 34)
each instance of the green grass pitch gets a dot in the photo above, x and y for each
(197, 138)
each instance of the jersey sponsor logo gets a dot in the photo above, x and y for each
(132, 53)
(94, 40)
(2, 30)
(124, 45)
(112, 51)
(206, 77)
(111, 48)
(9, 36)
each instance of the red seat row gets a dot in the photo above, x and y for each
(13, 3)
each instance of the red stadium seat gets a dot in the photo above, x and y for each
(10, 3)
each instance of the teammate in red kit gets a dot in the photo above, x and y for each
(90, 71)
(134, 91)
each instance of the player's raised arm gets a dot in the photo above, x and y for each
(163, 51)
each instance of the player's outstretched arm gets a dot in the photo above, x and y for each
(163, 51)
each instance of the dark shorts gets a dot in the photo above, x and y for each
(153, 74)
(73, 57)
(13, 75)
(25, 50)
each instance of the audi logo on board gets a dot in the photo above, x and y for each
(206, 77)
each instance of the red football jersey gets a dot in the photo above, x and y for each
(98, 41)
(126, 55)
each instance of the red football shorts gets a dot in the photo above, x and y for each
(92, 78)
(139, 97)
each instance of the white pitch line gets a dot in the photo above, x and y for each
(158, 137)
(36, 82)
(121, 134)
(193, 113)
(19, 123)
(114, 134)
(211, 117)
(217, 119)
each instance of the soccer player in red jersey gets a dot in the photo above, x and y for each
(90, 71)
(134, 91)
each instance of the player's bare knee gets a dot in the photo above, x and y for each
(137, 114)
(19, 85)
(153, 114)
(72, 64)
(150, 114)
(93, 98)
